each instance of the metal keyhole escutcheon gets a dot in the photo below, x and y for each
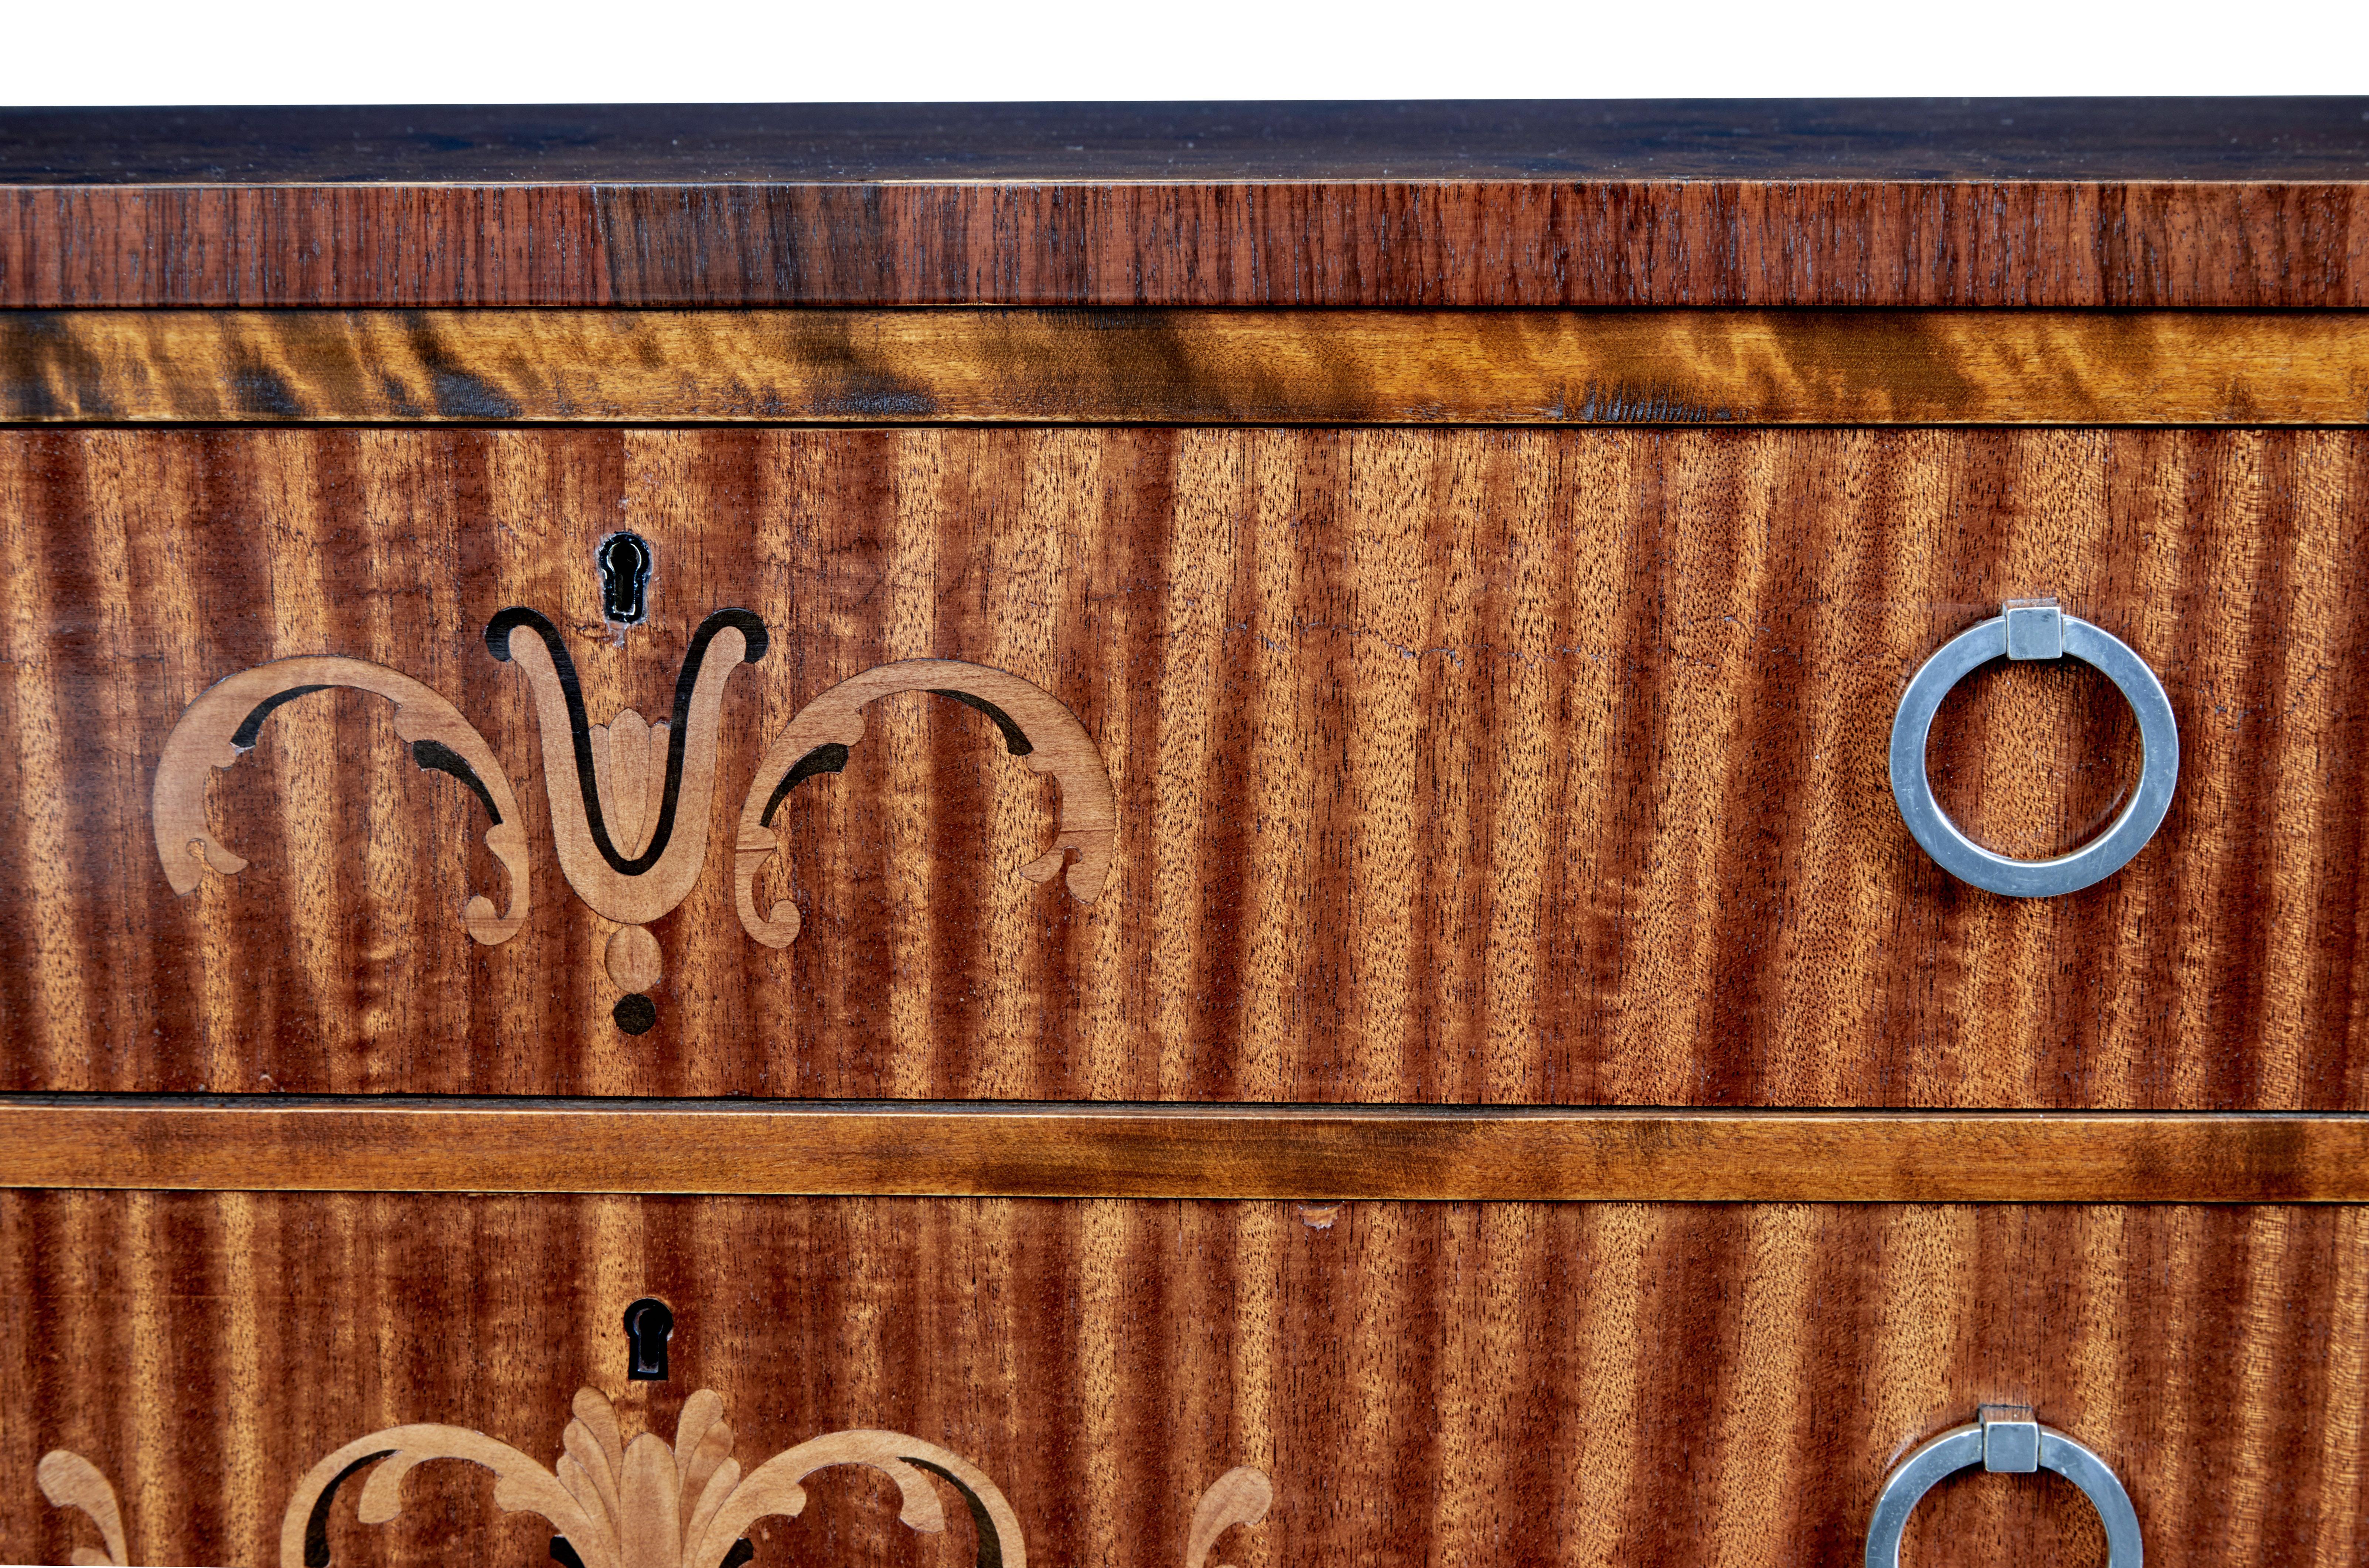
(650, 1323)
(625, 560)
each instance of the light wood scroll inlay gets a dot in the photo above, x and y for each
(650, 1504)
(631, 801)
(647, 1504)
(1241, 1496)
(1034, 726)
(221, 725)
(631, 837)
(69, 1481)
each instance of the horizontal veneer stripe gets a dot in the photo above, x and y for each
(942, 1148)
(1323, 367)
(1878, 235)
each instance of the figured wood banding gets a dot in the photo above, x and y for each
(1186, 366)
(1058, 746)
(945, 1149)
(1006, 148)
(205, 739)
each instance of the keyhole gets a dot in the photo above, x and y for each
(648, 1326)
(625, 560)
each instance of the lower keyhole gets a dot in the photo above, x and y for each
(648, 1326)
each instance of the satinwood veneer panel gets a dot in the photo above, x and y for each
(987, 1148)
(1504, 1383)
(1446, 766)
(1187, 367)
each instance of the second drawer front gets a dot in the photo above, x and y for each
(1506, 1382)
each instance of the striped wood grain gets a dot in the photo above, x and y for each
(1585, 1384)
(1783, 241)
(1190, 367)
(1451, 766)
(276, 1143)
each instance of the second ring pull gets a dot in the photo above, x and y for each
(2035, 629)
(2003, 1438)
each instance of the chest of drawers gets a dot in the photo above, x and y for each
(1183, 835)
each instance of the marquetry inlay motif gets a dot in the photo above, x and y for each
(69, 1481)
(631, 799)
(645, 1503)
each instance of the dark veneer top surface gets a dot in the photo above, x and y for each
(1904, 139)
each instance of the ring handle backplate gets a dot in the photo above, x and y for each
(2030, 631)
(2003, 1438)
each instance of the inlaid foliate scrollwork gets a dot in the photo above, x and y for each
(643, 1503)
(69, 1481)
(632, 800)
(631, 830)
(647, 1504)
(224, 725)
(1033, 725)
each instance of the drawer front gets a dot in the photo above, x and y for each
(1369, 765)
(1412, 1383)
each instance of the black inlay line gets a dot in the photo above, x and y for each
(316, 1528)
(831, 757)
(991, 1545)
(498, 643)
(444, 760)
(1016, 743)
(252, 725)
(741, 1554)
(828, 758)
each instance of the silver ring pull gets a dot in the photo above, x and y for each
(2002, 1438)
(2035, 629)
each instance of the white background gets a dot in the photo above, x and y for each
(230, 52)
